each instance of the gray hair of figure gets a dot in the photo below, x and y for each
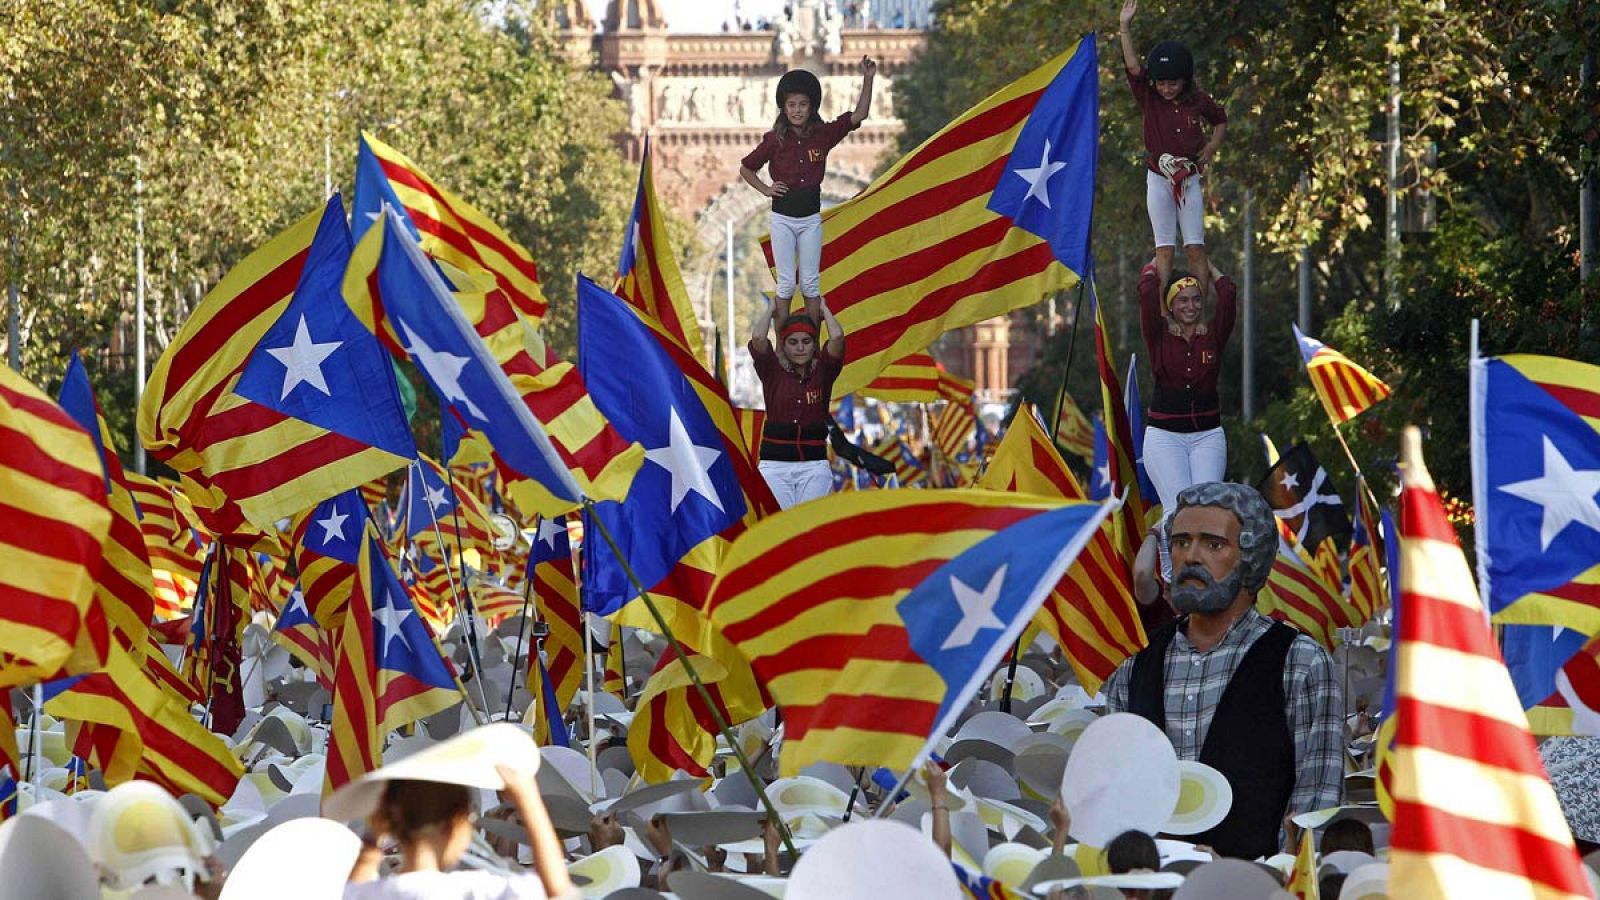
(1258, 532)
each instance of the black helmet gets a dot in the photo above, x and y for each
(799, 81)
(1170, 61)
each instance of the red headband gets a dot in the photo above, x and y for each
(797, 324)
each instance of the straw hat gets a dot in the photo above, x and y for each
(1204, 798)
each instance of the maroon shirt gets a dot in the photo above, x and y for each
(797, 404)
(1186, 370)
(1173, 126)
(799, 162)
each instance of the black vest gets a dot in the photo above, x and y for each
(1248, 741)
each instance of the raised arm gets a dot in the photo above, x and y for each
(761, 325)
(549, 857)
(1130, 59)
(835, 345)
(869, 68)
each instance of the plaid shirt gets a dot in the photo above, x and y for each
(1194, 685)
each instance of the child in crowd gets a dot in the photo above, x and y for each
(1176, 114)
(795, 153)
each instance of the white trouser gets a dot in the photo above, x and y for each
(796, 482)
(1167, 216)
(797, 242)
(1175, 460)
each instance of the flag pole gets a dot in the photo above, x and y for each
(1055, 428)
(588, 696)
(482, 709)
(470, 626)
(694, 676)
(522, 629)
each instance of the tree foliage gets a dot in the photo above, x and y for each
(222, 109)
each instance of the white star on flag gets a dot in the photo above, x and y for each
(333, 526)
(1567, 495)
(688, 463)
(1038, 179)
(435, 497)
(549, 530)
(302, 360)
(443, 368)
(977, 609)
(1289, 480)
(391, 619)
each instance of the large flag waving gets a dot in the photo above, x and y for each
(1475, 815)
(1536, 487)
(989, 214)
(873, 632)
(449, 228)
(647, 275)
(246, 465)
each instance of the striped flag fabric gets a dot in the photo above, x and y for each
(1345, 389)
(954, 425)
(326, 541)
(751, 421)
(493, 601)
(1578, 683)
(955, 389)
(647, 274)
(872, 634)
(125, 589)
(355, 745)
(448, 227)
(1474, 811)
(54, 521)
(245, 465)
(989, 214)
(1074, 434)
(1536, 489)
(1091, 614)
(549, 726)
(1366, 590)
(1119, 441)
(555, 596)
(172, 541)
(297, 632)
(1296, 594)
(155, 736)
(913, 378)
(413, 679)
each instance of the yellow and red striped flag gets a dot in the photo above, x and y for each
(1303, 883)
(142, 729)
(555, 595)
(173, 543)
(648, 276)
(1091, 613)
(1296, 594)
(908, 470)
(54, 520)
(1368, 590)
(873, 632)
(1074, 434)
(245, 465)
(955, 389)
(1475, 815)
(448, 227)
(355, 746)
(751, 422)
(989, 214)
(952, 427)
(1131, 519)
(913, 378)
(1345, 389)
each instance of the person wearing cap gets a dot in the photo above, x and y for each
(797, 383)
(1176, 115)
(1183, 441)
(1248, 696)
(795, 153)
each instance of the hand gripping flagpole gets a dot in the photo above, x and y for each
(694, 676)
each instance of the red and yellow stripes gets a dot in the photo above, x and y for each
(54, 522)
(1119, 446)
(817, 619)
(355, 745)
(1368, 591)
(248, 465)
(170, 540)
(919, 252)
(1074, 434)
(650, 279)
(1091, 613)
(1345, 389)
(555, 594)
(1474, 812)
(913, 378)
(1296, 595)
(456, 232)
(952, 427)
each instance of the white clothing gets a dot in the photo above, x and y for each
(462, 885)
(1166, 216)
(1175, 460)
(797, 242)
(794, 483)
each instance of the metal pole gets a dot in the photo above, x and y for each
(138, 314)
(1391, 200)
(327, 150)
(1304, 317)
(730, 332)
(1587, 225)
(1248, 298)
(13, 318)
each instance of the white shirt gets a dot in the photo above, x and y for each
(465, 885)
